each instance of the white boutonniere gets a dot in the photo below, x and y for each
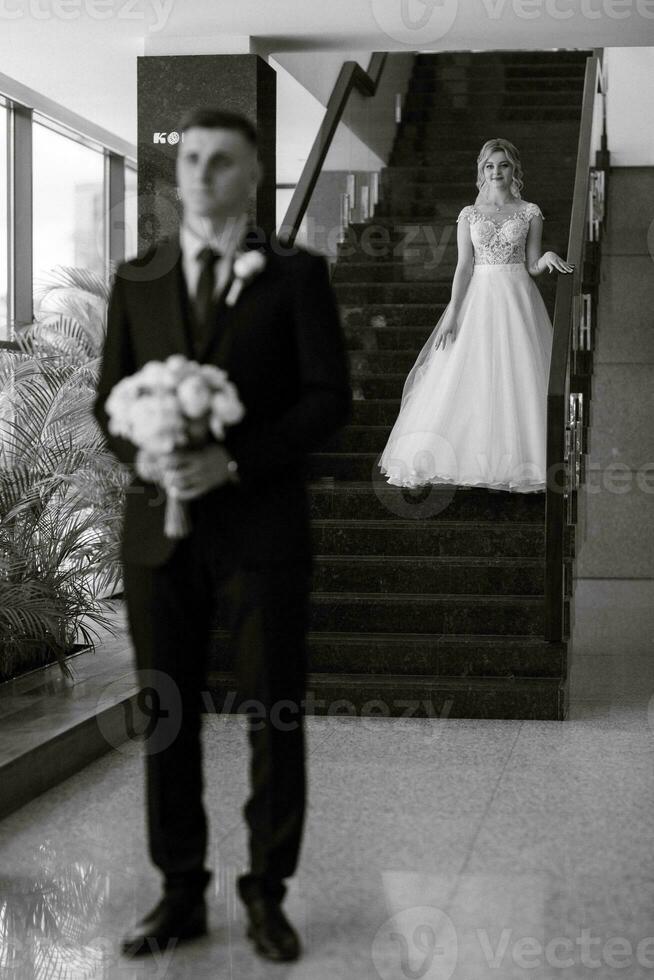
(246, 266)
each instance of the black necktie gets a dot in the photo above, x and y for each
(204, 293)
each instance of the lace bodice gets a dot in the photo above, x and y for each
(497, 240)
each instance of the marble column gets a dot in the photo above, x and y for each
(169, 85)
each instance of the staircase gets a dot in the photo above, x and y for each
(433, 605)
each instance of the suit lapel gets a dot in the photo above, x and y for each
(177, 308)
(225, 317)
(172, 298)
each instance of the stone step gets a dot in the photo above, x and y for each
(400, 537)
(365, 501)
(371, 338)
(458, 161)
(421, 144)
(530, 59)
(462, 655)
(452, 104)
(392, 314)
(376, 411)
(371, 273)
(548, 188)
(431, 244)
(414, 209)
(431, 614)
(363, 315)
(375, 695)
(458, 169)
(378, 386)
(429, 576)
(405, 230)
(363, 293)
(358, 439)
(502, 113)
(366, 366)
(473, 126)
(477, 84)
(497, 67)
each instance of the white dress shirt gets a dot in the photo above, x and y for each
(227, 242)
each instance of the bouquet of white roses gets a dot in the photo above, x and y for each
(169, 405)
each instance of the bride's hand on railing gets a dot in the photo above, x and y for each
(554, 263)
(447, 329)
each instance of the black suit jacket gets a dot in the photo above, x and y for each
(282, 345)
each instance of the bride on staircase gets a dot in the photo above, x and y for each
(474, 413)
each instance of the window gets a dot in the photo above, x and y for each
(4, 230)
(68, 203)
(131, 213)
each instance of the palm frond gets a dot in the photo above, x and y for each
(61, 491)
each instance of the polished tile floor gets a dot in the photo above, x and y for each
(433, 848)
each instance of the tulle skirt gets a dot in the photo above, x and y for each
(474, 413)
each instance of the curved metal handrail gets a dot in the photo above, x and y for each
(569, 289)
(351, 76)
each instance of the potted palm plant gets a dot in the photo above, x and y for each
(61, 490)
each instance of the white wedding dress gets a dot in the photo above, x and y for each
(473, 413)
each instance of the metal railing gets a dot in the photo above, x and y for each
(575, 315)
(351, 77)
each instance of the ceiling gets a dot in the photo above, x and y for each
(82, 53)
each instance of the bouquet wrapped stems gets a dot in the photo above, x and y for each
(177, 523)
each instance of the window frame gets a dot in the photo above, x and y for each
(24, 108)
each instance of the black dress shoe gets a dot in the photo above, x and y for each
(177, 918)
(274, 936)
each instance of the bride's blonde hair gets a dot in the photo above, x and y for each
(512, 156)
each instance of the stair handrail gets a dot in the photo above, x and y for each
(562, 429)
(350, 77)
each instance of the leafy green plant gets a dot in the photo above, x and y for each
(61, 490)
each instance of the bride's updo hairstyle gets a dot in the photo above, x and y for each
(512, 156)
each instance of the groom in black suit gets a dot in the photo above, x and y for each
(282, 344)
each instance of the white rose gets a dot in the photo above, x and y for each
(194, 396)
(120, 398)
(227, 406)
(179, 367)
(215, 376)
(154, 375)
(248, 263)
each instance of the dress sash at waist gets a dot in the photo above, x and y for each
(516, 268)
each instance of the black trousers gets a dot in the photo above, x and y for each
(171, 609)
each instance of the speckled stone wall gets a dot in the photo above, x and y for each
(168, 85)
